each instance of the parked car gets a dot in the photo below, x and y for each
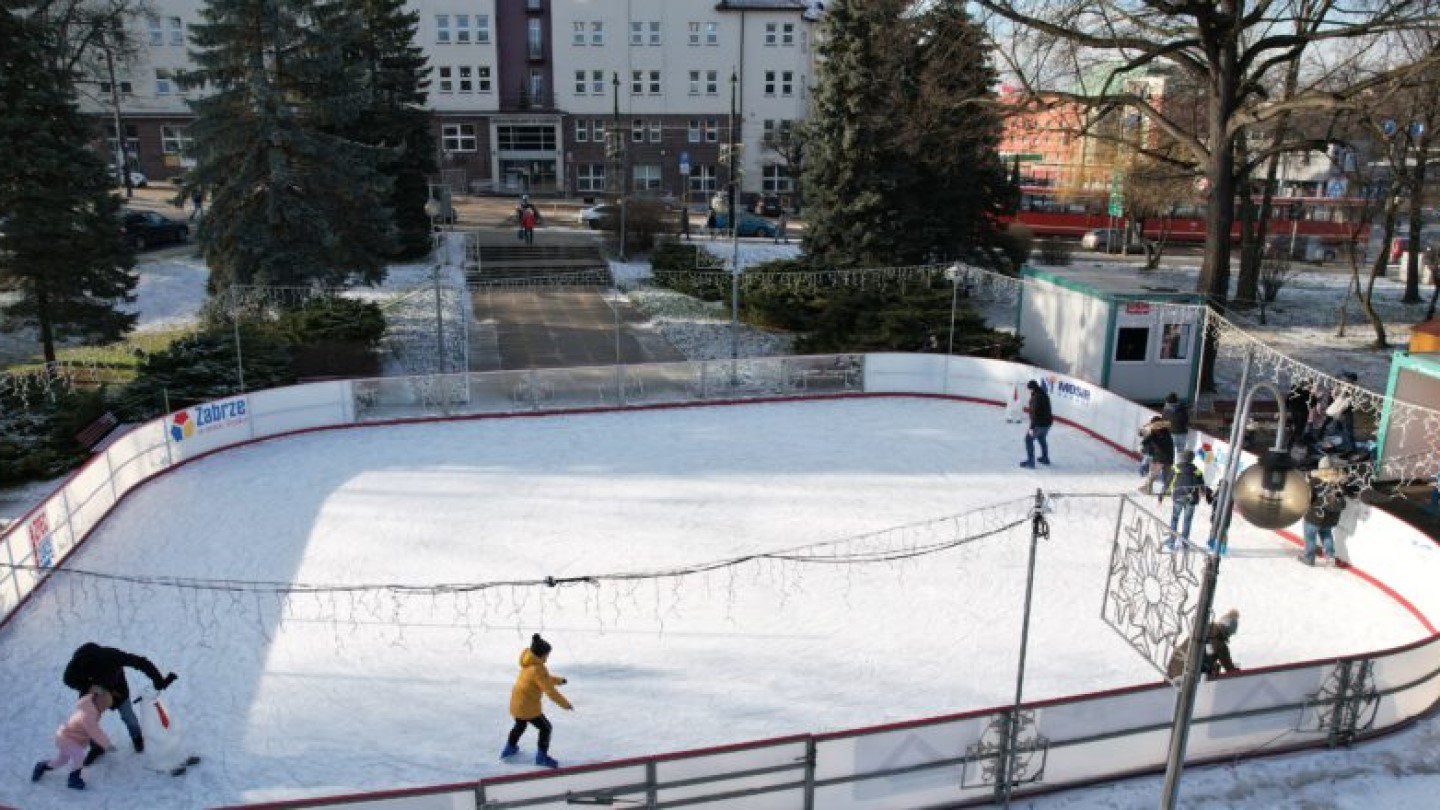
(146, 229)
(596, 215)
(137, 179)
(768, 205)
(1106, 239)
(749, 225)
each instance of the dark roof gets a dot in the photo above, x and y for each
(761, 5)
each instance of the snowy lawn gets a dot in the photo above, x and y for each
(340, 692)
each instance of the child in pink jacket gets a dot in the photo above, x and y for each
(74, 737)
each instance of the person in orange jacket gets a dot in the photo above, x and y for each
(534, 679)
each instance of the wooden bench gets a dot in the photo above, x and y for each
(96, 431)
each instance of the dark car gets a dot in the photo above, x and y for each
(768, 205)
(146, 229)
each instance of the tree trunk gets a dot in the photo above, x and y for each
(47, 329)
(1250, 224)
(1377, 269)
(1214, 281)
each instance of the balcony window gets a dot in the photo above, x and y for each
(535, 39)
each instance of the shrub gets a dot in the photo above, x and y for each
(202, 367)
(38, 428)
(644, 220)
(332, 336)
(1017, 242)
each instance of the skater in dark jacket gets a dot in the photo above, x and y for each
(534, 680)
(1040, 422)
(1177, 414)
(93, 665)
(1327, 504)
(1187, 484)
(1157, 444)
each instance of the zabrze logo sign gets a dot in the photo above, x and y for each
(210, 416)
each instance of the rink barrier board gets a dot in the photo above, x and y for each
(1237, 715)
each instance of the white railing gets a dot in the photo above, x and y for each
(932, 761)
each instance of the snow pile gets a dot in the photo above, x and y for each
(170, 294)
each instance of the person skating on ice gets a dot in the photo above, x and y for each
(533, 681)
(93, 665)
(1040, 422)
(81, 730)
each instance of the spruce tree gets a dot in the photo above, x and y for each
(293, 203)
(393, 75)
(902, 166)
(61, 249)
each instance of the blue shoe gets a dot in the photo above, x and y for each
(75, 782)
(545, 761)
(40, 769)
(509, 751)
(1029, 465)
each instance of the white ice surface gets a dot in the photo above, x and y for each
(335, 696)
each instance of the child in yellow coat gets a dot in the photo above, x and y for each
(534, 680)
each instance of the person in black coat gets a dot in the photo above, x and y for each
(1177, 413)
(1040, 422)
(1157, 445)
(93, 665)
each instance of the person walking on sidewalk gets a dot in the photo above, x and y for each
(1040, 422)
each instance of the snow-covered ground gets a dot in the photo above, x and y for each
(336, 692)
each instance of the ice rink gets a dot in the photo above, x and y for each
(406, 683)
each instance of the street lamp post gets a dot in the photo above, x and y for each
(436, 210)
(734, 242)
(1270, 495)
(618, 162)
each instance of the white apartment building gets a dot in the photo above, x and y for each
(524, 92)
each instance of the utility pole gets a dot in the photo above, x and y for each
(734, 237)
(617, 161)
(121, 169)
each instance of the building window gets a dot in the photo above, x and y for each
(532, 5)
(703, 179)
(787, 34)
(590, 177)
(462, 29)
(582, 130)
(132, 139)
(712, 82)
(771, 35)
(164, 82)
(647, 177)
(774, 179)
(458, 137)
(535, 40)
(482, 28)
(126, 88)
(654, 82)
(692, 133)
(694, 82)
(712, 130)
(537, 85)
(655, 33)
(637, 82)
(442, 29)
(482, 78)
(174, 140)
(157, 32)
(656, 131)
(577, 33)
(581, 86)
(694, 28)
(1132, 344)
(769, 82)
(597, 82)
(597, 33)
(637, 130)
(1175, 341)
(526, 138)
(177, 31)
(447, 84)
(467, 84)
(787, 83)
(712, 33)
(637, 32)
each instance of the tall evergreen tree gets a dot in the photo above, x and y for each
(394, 75)
(60, 242)
(292, 202)
(902, 164)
